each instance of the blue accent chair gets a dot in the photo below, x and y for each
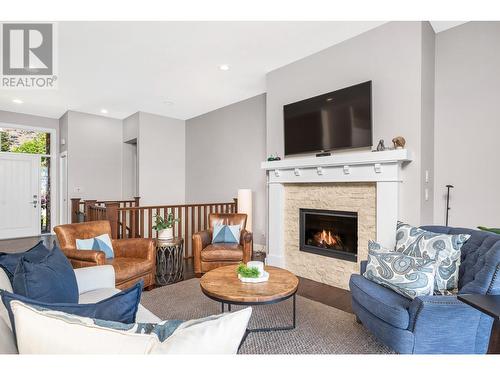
(434, 324)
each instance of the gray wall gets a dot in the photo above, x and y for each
(161, 153)
(390, 56)
(224, 149)
(427, 129)
(94, 145)
(130, 183)
(467, 122)
(29, 120)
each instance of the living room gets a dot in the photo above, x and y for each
(250, 187)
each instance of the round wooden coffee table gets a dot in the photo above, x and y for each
(222, 285)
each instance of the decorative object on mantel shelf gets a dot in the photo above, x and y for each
(381, 145)
(273, 157)
(399, 142)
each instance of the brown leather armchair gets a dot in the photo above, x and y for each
(134, 258)
(208, 256)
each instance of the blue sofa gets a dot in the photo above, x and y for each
(434, 324)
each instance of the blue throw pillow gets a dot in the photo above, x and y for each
(49, 279)
(101, 243)
(226, 233)
(121, 307)
(9, 261)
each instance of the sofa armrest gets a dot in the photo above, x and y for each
(143, 248)
(85, 258)
(446, 323)
(362, 267)
(92, 278)
(200, 241)
(246, 240)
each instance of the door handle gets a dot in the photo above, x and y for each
(34, 203)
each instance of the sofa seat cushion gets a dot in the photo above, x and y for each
(382, 302)
(221, 252)
(129, 268)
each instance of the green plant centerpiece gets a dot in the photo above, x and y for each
(247, 272)
(162, 223)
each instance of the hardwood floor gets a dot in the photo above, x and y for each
(328, 295)
(22, 244)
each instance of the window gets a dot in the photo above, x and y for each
(24, 141)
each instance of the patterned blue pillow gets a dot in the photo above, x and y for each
(443, 248)
(101, 243)
(226, 233)
(407, 275)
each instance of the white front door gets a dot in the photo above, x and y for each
(19, 195)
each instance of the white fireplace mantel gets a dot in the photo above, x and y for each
(382, 168)
(362, 166)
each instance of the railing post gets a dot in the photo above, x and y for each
(136, 217)
(112, 217)
(235, 205)
(86, 205)
(75, 208)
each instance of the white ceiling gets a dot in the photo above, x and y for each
(171, 68)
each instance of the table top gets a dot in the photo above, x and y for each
(487, 304)
(223, 284)
(171, 242)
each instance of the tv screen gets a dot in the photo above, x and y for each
(339, 119)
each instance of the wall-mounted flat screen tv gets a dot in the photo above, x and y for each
(337, 120)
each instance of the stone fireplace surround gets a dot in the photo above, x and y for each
(364, 182)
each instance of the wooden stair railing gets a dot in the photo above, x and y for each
(79, 206)
(137, 222)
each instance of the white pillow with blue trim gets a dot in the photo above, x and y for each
(101, 243)
(42, 331)
(226, 233)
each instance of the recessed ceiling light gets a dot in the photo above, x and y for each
(104, 111)
(224, 67)
(17, 101)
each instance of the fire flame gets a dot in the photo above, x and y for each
(327, 238)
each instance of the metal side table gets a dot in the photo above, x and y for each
(169, 261)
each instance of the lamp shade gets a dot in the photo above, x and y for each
(245, 205)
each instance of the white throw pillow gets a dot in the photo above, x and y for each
(54, 332)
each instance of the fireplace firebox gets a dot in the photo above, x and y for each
(329, 233)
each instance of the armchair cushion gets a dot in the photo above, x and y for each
(102, 243)
(226, 233)
(222, 252)
(385, 304)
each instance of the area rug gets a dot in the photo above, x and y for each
(320, 329)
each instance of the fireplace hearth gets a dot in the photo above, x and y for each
(329, 233)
